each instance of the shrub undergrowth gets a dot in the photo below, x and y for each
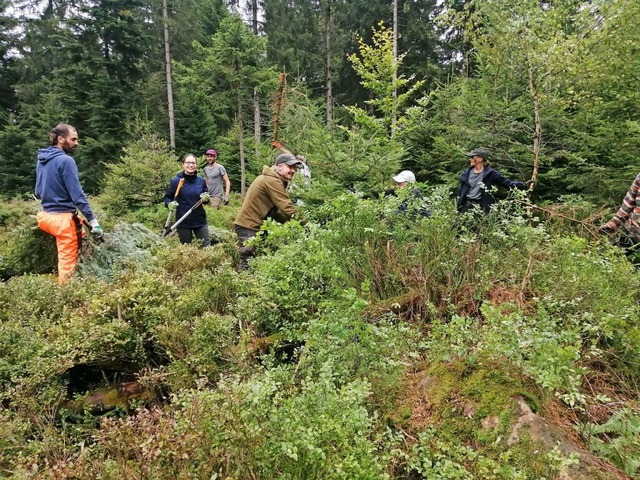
(300, 367)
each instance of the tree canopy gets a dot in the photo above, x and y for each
(550, 88)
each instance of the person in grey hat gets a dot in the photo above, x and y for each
(267, 197)
(477, 181)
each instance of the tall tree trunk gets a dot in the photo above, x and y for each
(243, 173)
(167, 60)
(327, 71)
(257, 134)
(395, 67)
(537, 130)
(254, 16)
(276, 111)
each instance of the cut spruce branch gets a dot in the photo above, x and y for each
(588, 224)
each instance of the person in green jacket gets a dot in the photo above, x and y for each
(267, 197)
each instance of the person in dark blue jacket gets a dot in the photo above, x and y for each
(61, 196)
(181, 196)
(477, 181)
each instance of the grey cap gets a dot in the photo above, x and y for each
(478, 152)
(287, 158)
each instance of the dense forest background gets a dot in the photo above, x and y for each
(550, 88)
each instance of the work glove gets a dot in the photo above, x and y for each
(172, 206)
(225, 199)
(205, 197)
(97, 231)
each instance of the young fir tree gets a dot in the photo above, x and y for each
(225, 75)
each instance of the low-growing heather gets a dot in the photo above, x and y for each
(368, 343)
(267, 427)
(296, 274)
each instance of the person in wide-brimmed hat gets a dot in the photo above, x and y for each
(477, 180)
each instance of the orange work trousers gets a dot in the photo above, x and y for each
(67, 229)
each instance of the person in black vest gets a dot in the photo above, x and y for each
(477, 181)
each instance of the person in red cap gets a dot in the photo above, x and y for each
(217, 180)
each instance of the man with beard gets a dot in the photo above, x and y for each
(217, 180)
(61, 196)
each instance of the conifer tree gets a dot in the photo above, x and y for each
(224, 76)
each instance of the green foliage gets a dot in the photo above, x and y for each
(60, 330)
(547, 349)
(439, 460)
(141, 177)
(359, 349)
(379, 73)
(293, 281)
(27, 249)
(356, 152)
(267, 427)
(360, 299)
(17, 160)
(320, 433)
(14, 446)
(617, 440)
(222, 77)
(346, 339)
(569, 321)
(605, 132)
(389, 252)
(526, 59)
(199, 348)
(124, 245)
(372, 137)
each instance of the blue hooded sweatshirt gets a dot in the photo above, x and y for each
(57, 183)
